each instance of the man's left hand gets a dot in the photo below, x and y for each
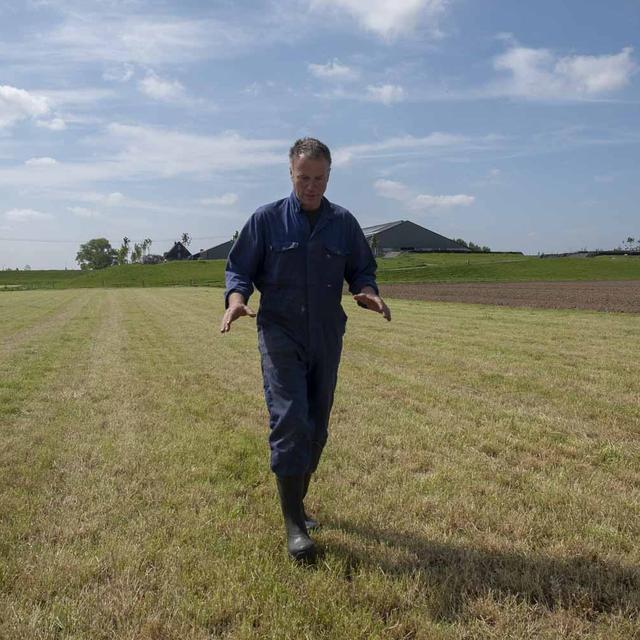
(371, 300)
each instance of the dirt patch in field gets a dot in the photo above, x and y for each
(621, 295)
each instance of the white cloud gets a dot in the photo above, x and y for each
(83, 212)
(55, 124)
(385, 93)
(25, 215)
(93, 197)
(76, 97)
(428, 202)
(401, 146)
(144, 39)
(41, 162)
(18, 104)
(392, 189)
(161, 89)
(140, 152)
(598, 74)
(113, 198)
(254, 89)
(390, 18)
(98, 201)
(539, 73)
(119, 73)
(257, 88)
(419, 202)
(225, 200)
(333, 70)
(162, 152)
(493, 177)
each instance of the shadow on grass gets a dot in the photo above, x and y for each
(450, 575)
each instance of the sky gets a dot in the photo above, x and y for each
(514, 125)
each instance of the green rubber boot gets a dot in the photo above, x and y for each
(299, 545)
(309, 522)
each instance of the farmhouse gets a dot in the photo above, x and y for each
(405, 235)
(177, 252)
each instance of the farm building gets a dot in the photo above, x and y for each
(405, 235)
(219, 252)
(402, 235)
(177, 252)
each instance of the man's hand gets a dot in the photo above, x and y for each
(237, 308)
(371, 300)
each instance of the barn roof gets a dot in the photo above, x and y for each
(177, 252)
(378, 228)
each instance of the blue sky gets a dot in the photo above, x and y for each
(511, 124)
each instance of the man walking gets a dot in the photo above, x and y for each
(297, 252)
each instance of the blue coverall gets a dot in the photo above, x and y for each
(299, 273)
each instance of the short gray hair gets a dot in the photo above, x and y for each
(310, 147)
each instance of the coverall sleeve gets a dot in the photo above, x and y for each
(361, 265)
(245, 261)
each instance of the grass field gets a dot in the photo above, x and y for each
(437, 267)
(482, 478)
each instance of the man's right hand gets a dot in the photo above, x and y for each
(236, 309)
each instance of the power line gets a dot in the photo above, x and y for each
(83, 241)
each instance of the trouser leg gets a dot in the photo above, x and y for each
(284, 371)
(322, 379)
(321, 388)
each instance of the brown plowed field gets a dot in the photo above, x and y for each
(623, 295)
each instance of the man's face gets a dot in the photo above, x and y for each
(309, 177)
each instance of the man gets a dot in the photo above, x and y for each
(298, 251)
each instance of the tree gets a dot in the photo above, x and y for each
(123, 252)
(628, 244)
(146, 245)
(476, 248)
(96, 254)
(185, 239)
(235, 235)
(136, 253)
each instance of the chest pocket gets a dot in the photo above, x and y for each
(285, 262)
(335, 263)
(287, 245)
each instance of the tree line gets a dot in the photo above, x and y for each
(98, 253)
(630, 245)
(472, 246)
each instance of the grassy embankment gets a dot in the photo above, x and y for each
(482, 478)
(406, 268)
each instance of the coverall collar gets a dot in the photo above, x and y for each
(325, 216)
